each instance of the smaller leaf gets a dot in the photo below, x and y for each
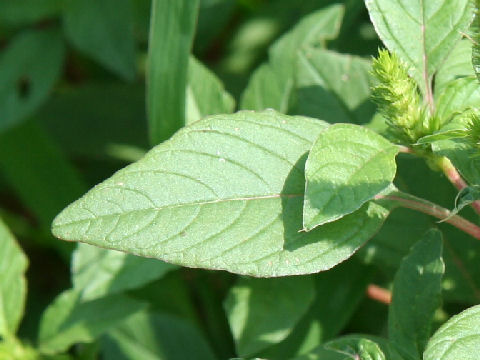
(357, 348)
(347, 166)
(68, 320)
(458, 338)
(262, 312)
(465, 197)
(13, 264)
(97, 272)
(150, 336)
(416, 296)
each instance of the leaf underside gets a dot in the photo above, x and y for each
(224, 193)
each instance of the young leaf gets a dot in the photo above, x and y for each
(421, 32)
(347, 166)
(465, 197)
(172, 27)
(150, 336)
(68, 320)
(333, 87)
(103, 30)
(98, 272)
(13, 264)
(272, 84)
(234, 184)
(356, 348)
(29, 68)
(263, 312)
(458, 338)
(416, 296)
(205, 93)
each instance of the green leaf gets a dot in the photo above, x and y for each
(416, 296)
(329, 312)
(28, 158)
(458, 64)
(205, 93)
(263, 312)
(29, 68)
(242, 215)
(172, 27)
(13, 264)
(356, 348)
(103, 30)
(151, 336)
(456, 96)
(458, 338)
(98, 272)
(421, 32)
(347, 166)
(22, 12)
(333, 87)
(272, 84)
(68, 320)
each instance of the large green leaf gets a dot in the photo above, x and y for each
(421, 32)
(13, 264)
(68, 320)
(205, 93)
(103, 30)
(172, 27)
(29, 67)
(416, 296)
(333, 87)
(347, 166)
(234, 185)
(98, 272)
(150, 336)
(458, 338)
(262, 312)
(272, 84)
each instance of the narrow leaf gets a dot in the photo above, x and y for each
(476, 38)
(150, 336)
(234, 184)
(172, 27)
(68, 320)
(466, 196)
(416, 296)
(262, 312)
(347, 166)
(421, 32)
(13, 264)
(205, 93)
(458, 338)
(29, 68)
(98, 272)
(103, 30)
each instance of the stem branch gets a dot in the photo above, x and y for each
(379, 294)
(426, 207)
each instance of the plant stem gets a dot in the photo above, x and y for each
(411, 202)
(452, 174)
(379, 294)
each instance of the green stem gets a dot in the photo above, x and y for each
(411, 202)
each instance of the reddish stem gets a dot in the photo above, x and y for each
(379, 294)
